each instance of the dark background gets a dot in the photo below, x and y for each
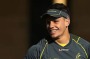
(21, 25)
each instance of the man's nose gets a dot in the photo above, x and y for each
(51, 25)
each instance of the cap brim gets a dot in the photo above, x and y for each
(54, 13)
(45, 16)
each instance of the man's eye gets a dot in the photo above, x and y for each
(56, 21)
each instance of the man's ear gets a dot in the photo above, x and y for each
(67, 21)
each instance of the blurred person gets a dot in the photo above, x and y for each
(60, 43)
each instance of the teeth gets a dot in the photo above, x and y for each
(53, 31)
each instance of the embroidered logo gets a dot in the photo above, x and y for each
(78, 56)
(63, 49)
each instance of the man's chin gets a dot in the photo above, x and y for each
(54, 37)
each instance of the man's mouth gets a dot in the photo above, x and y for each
(53, 31)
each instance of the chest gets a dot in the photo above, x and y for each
(56, 52)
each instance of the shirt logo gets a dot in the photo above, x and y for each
(63, 49)
(78, 56)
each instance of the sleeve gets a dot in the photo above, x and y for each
(89, 52)
(86, 45)
(33, 53)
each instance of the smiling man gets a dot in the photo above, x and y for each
(61, 44)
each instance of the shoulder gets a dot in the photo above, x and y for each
(37, 46)
(34, 50)
(83, 42)
(80, 39)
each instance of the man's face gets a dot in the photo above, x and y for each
(57, 27)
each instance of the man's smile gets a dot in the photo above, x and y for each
(53, 31)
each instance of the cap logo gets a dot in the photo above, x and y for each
(51, 10)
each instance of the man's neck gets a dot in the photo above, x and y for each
(64, 39)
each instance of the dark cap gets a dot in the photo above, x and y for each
(57, 11)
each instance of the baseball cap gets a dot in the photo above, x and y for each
(56, 11)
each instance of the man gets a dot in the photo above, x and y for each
(61, 44)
